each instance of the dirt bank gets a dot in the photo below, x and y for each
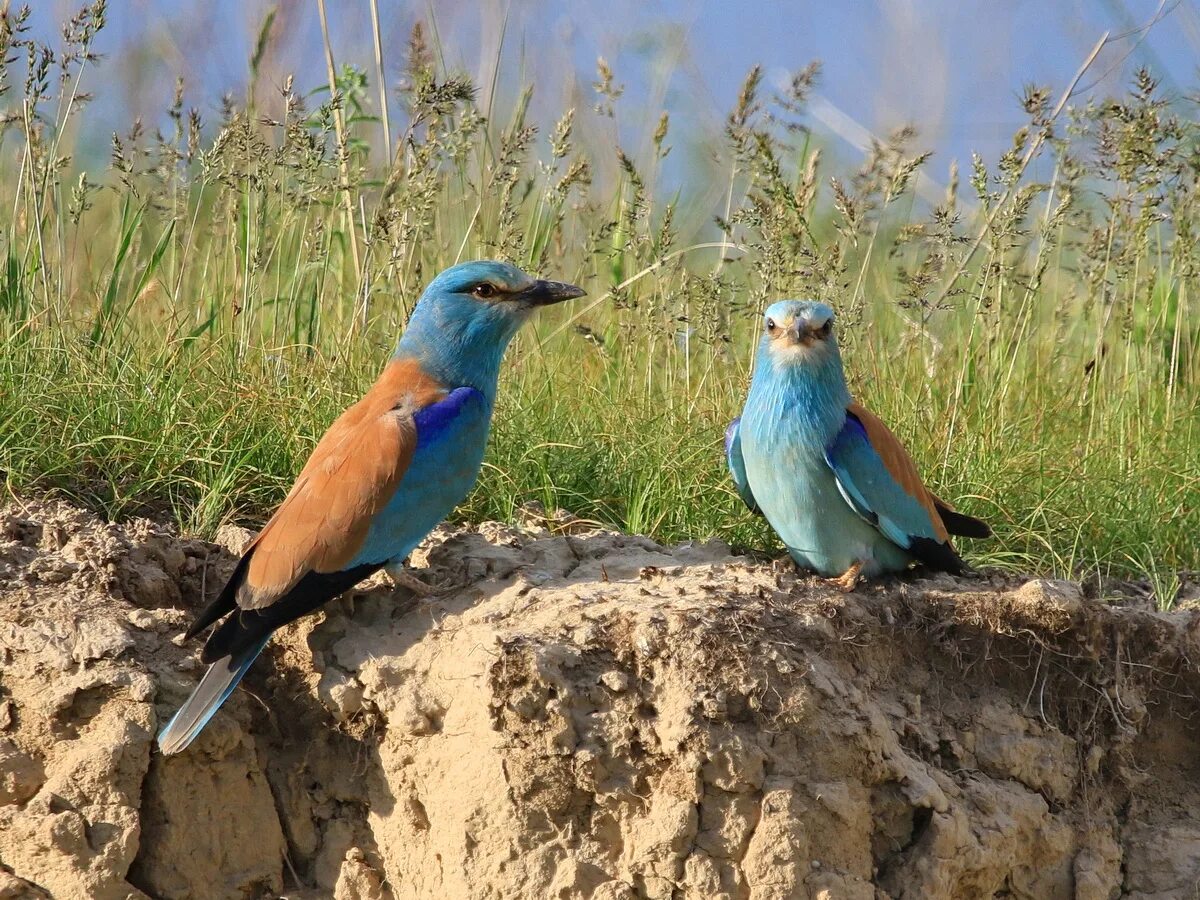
(590, 715)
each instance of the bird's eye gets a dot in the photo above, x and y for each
(771, 325)
(827, 329)
(484, 290)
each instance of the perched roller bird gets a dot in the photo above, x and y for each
(385, 473)
(833, 481)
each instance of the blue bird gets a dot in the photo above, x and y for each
(836, 485)
(385, 473)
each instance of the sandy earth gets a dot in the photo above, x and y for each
(589, 715)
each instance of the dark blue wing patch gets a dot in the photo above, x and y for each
(433, 421)
(854, 423)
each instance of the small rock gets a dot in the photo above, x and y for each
(233, 538)
(715, 706)
(51, 569)
(1042, 593)
(341, 694)
(357, 880)
(20, 774)
(141, 687)
(646, 641)
(14, 888)
(54, 537)
(617, 682)
(99, 639)
(149, 585)
(21, 530)
(145, 620)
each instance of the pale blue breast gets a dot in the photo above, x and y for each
(783, 448)
(442, 472)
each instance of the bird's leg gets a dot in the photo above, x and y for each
(403, 578)
(848, 580)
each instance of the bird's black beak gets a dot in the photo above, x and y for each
(544, 293)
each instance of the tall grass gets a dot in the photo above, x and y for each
(181, 327)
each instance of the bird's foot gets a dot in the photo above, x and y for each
(402, 578)
(848, 580)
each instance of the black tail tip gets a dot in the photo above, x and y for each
(964, 526)
(940, 557)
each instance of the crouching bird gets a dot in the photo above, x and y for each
(833, 481)
(385, 473)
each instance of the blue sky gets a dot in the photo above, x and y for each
(954, 69)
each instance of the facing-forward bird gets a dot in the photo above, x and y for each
(836, 485)
(385, 473)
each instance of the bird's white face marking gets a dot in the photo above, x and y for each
(799, 331)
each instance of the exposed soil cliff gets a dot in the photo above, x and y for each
(590, 715)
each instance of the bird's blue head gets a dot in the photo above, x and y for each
(798, 345)
(468, 314)
(798, 363)
(798, 333)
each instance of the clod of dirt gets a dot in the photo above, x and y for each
(589, 715)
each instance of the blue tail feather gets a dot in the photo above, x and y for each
(213, 690)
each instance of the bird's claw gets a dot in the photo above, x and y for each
(404, 579)
(848, 580)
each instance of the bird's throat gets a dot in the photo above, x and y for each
(801, 404)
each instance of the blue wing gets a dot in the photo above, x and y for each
(737, 466)
(881, 484)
